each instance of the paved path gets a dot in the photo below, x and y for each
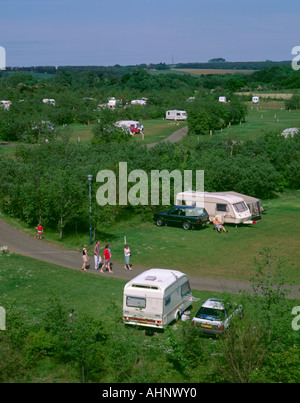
(173, 138)
(24, 244)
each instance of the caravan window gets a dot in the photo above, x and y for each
(185, 288)
(136, 302)
(240, 207)
(222, 207)
(167, 300)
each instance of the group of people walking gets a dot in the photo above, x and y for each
(106, 263)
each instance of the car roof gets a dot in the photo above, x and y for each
(187, 207)
(213, 303)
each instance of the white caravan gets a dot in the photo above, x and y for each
(176, 115)
(156, 297)
(113, 102)
(255, 100)
(252, 202)
(222, 99)
(138, 102)
(49, 101)
(133, 126)
(5, 104)
(229, 208)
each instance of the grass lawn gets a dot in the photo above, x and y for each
(260, 120)
(29, 284)
(210, 254)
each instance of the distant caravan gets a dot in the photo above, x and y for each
(176, 115)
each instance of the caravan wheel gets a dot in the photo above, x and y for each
(177, 316)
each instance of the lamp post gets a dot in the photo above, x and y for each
(99, 120)
(90, 177)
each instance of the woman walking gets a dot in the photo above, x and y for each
(127, 258)
(106, 255)
(84, 258)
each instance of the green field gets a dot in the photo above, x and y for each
(154, 130)
(263, 119)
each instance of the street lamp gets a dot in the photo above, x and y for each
(99, 120)
(90, 177)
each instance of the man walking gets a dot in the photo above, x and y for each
(97, 255)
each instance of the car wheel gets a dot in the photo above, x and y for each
(186, 225)
(160, 222)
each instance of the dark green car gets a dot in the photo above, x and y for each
(185, 216)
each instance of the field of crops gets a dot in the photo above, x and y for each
(213, 71)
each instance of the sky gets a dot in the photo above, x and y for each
(129, 32)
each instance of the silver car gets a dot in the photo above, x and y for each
(215, 315)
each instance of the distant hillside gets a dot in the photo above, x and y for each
(231, 65)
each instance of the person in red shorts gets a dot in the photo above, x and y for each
(40, 231)
(106, 255)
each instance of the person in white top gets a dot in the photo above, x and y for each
(127, 266)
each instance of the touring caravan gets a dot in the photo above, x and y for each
(253, 204)
(229, 208)
(222, 99)
(133, 126)
(156, 297)
(138, 102)
(176, 115)
(49, 101)
(5, 105)
(255, 100)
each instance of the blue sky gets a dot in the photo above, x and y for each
(108, 32)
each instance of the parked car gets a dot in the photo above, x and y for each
(185, 216)
(215, 315)
(134, 129)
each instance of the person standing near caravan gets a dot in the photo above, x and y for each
(127, 257)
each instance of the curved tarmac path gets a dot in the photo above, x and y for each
(173, 138)
(23, 244)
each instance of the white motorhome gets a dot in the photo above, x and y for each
(156, 297)
(176, 115)
(229, 208)
(255, 100)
